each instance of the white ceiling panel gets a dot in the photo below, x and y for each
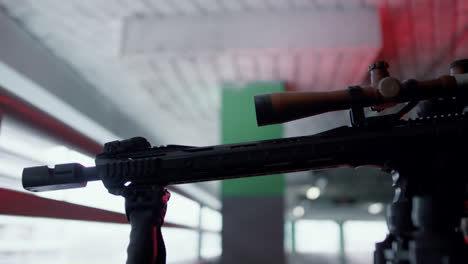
(210, 6)
(279, 4)
(234, 6)
(286, 66)
(224, 64)
(205, 68)
(252, 31)
(302, 3)
(307, 70)
(255, 4)
(266, 67)
(160, 7)
(186, 7)
(247, 68)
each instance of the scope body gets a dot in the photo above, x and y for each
(278, 108)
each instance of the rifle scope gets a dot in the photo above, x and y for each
(278, 108)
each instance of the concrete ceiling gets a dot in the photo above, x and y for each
(174, 93)
(164, 68)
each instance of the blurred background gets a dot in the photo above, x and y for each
(76, 74)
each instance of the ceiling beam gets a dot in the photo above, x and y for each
(253, 31)
(31, 71)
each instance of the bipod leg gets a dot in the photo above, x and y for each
(438, 239)
(394, 249)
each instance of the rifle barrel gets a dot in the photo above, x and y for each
(63, 176)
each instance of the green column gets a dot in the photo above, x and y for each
(253, 208)
(239, 124)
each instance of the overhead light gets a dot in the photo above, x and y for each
(298, 211)
(321, 182)
(313, 193)
(375, 208)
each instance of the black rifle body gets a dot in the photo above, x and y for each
(379, 145)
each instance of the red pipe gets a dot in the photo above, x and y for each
(41, 120)
(24, 204)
